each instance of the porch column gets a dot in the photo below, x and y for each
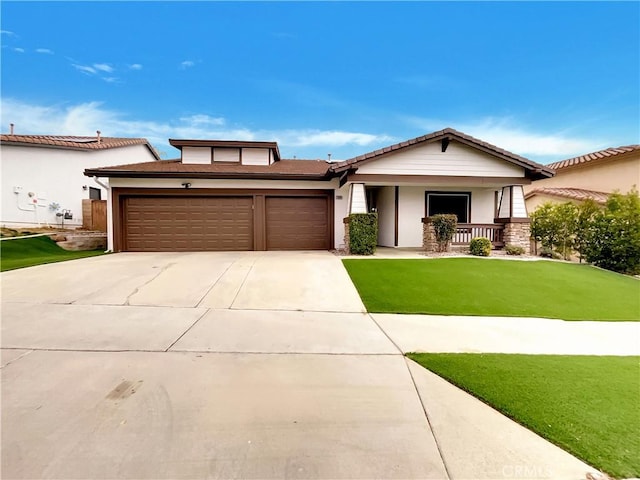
(357, 199)
(429, 243)
(513, 214)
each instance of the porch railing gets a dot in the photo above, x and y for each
(467, 231)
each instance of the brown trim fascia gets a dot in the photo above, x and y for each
(205, 175)
(430, 179)
(396, 211)
(200, 192)
(220, 143)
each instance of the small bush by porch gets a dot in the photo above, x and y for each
(510, 288)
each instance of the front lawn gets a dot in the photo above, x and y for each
(491, 287)
(27, 252)
(588, 405)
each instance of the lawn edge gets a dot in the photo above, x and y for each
(506, 414)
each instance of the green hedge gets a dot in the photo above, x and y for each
(363, 233)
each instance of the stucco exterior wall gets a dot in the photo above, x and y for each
(620, 173)
(54, 175)
(410, 213)
(386, 216)
(458, 160)
(537, 200)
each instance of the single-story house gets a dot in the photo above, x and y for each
(42, 175)
(591, 176)
(235, 195)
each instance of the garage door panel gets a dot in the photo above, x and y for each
(188, 223)
(297, 223)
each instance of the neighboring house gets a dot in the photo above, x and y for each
(591, 176)
(230, 195)
(43, 174)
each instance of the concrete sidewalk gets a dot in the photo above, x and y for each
(232, 365)
(458, 334)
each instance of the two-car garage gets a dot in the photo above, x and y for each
(218, 220)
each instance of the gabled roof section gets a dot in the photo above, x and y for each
(534, 170)
(570, 193)
(282, 170)
(74, 142)
(228, 144)
(594, 157)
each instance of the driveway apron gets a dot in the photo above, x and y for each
(257, 365)
(207, 365)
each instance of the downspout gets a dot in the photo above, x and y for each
(99, 182)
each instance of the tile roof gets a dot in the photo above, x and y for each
(538, 170)
(594, 156)
(75, 142)
(570, 193)
(293, 169)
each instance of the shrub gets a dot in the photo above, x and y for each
(614, 237)
(513, 249)
(444, 226)
(480, 247)
(554, 225)
(363, 233)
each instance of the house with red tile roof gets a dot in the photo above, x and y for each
(42, 175)
(591, 176)
(231, 195)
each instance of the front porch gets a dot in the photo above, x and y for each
(494, 211)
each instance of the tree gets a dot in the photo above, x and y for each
(587, 212)
(614, 238)
(554, 225)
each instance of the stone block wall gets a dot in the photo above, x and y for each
(518, 233)
(428, 236)
(347, 250)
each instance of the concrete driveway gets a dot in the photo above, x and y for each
(230, 365)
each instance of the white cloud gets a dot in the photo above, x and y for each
(19, 50)
(84, 69)
(202, 120)
(8, 33)
(306, 138)
(187, 64)
(508, 134)
(135, 66)
(44, 50)
(86, 118)
(103, 67)
(111, 79)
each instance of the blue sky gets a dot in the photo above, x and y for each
(545, 80)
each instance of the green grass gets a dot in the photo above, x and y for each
(511, 288)
(588, 405)
(28, 252)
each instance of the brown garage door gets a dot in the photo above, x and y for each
(154, 224)
(297, 223)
